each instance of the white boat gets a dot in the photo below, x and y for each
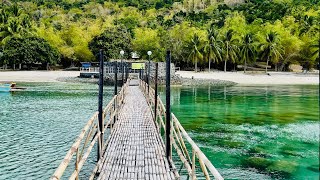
(6, 87)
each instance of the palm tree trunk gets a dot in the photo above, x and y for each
(209, 64)
(225, 60)
(196, 65)
(267, 65)
(245, 65)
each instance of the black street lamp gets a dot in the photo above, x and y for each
(149, 54)
(121, 54)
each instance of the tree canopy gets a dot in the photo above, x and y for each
(30, 50)
(79, 28)
(112, 40)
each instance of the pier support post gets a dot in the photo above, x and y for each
(168, 109)
(148, 76)
(122, 71)
(115, 88)
(115, 78)
(156, 93)
(145, 79)
(127, 73)
(100, 117)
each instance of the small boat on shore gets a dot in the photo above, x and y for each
(7, 87)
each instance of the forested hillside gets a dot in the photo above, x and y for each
(198, 32)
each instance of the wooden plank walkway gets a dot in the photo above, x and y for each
(135, 149)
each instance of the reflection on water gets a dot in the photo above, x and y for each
(256, 132)
(38, 126)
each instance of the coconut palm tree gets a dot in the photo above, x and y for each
(213, 47)
(195, 50)
(316, 46)
(271, 49)
(307, 23)
(229, 48)
(12, 29)
(247, 50)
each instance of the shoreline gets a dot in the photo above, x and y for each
(187, 78)
(274, 78)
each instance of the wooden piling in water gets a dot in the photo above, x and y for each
(115, 87)
(156, 93)
(100, 116)
(168, 109)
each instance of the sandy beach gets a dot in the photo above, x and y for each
(35, 76)
(285, 78)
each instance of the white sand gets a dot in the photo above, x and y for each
(35, 76)
(285, 78)
(238, 77)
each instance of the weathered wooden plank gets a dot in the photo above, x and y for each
(135, 149)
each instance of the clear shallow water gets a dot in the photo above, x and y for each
(39, 125)
(247, 132)
(262, 132)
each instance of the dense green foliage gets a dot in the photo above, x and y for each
(111, 41)
(29, 50)
(199, 33)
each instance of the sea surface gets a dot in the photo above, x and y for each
(39, 125)
(253, 132)
(248, 132)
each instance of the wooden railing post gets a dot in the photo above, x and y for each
(193, 164)
(100, 104)
(168, 109)
(148, 78)
(122, 72)
(115, 88)
(77, 163)
(156, 93)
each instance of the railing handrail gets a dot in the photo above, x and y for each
(176, 136)
(64, 164)
(204, 158)
(90, 128)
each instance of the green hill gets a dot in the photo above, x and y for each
(77, 28)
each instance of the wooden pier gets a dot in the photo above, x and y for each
(134, 145)
(135, 149)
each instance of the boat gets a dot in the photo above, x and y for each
(8, 87)
(5, 87)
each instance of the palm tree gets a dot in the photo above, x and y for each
(271, 49)
(247, 50)
(316, 47)
(15, 10)
(229, 49)
(4, 16)
(213, 47)
(195, 50)
(307, 23)
(11, 29)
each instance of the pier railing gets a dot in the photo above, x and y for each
(194, 161)
(89, 136)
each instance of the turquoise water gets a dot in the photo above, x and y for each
(39, 125)
(254, 132)
(258, 132)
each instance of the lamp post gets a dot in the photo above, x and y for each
(149, 54)
(121, 54)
